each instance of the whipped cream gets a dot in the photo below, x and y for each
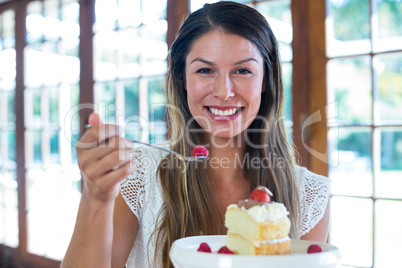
(266, 212)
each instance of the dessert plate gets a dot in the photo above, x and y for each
(184, 255)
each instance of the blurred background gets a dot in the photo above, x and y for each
(62, 59)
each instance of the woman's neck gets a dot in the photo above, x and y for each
(227, 174)
(226, 159)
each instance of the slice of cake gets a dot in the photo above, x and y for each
(257, 226)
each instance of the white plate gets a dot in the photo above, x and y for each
(184, 255)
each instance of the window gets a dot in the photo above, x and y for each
(364, 49)
(8, 175)
(278, 15)
(130, 65)
(51, 90)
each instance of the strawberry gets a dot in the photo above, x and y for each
(261, 194)
(225, 250)
(200, 151)
(204, 247)
(314, 248)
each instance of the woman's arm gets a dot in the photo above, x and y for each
(125, 225)
(320, 231)
(99, 239)
(99, 151)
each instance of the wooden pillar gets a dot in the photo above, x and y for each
(318, 85)
(309, 84)
(87, 18)
(177, 10)
(20, 43)
(300, 79)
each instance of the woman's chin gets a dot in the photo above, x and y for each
(226, 135)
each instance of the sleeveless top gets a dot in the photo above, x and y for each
(142, 192)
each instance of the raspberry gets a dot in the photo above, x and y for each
(200, 151)
(261, 194)
(314, 248)
(204, 247)
(225, 250)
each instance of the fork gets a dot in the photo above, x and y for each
(179, 156)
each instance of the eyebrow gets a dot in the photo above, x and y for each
(211, 63)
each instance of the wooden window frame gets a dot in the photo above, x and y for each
(309, 82)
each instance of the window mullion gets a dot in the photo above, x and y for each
(87, 17)
(3, 125)
(300, 81)
(176, 11)
(143, 104)
(45, 142)
(20, 33)
(317, 85)
(65, 124)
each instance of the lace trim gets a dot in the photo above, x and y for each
(142, 193)
(133, 186)
(315, 196)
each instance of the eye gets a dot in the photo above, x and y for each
(204, 71)
(243, 71)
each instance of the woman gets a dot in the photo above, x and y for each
(225, 90)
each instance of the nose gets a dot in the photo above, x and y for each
(223, 87)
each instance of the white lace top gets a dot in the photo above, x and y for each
(142, 193)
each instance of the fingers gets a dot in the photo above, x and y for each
(107, 163)
(103, 174)
(98, 134)
(94, 119)
(112, 144)
(106, 188)
(112, 178)
(104, 158)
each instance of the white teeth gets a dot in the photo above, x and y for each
(223, 113)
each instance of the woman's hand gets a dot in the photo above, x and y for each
(104, 159)
(100, 151)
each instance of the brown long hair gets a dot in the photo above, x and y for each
(190, 207)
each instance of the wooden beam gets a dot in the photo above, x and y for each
(318, 85)
(6, 5)
(309, 93)
(300, 78)
(87, 18)
(177, 10)
(9, 257)
(20, 43)
(35, 261)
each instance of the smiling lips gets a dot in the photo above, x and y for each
(224, 113)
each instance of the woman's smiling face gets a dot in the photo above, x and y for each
(224, 78)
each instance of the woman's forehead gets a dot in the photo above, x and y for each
(217, 45)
